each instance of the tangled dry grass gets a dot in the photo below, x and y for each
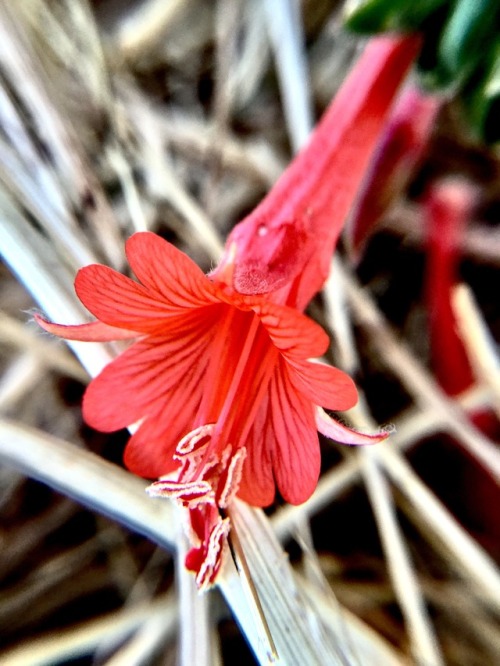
(177, 116)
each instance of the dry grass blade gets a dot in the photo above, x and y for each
(301, 636)
(194, 639)
(285, 29)
(18, 379)
(162, 181)
(36, 264)
(416, 424)
(45, 352)
(423, 643)
(111, 491)
(479, 241)
(418, 381)
(253, 158)
(147, 641)
(88, 479)
(77, 183)
(330, 486)
(480, 346)
(70, 644)
(167, 115)
(363, 645)
(136, 30)
(462, 551)
(424, 647)
(248, 65)
(434, 520)
(339, 321)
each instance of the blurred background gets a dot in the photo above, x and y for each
(178, 116)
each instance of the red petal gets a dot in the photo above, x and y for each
(324, 385)
(168, 272)
(119, 301)
(95, 331)
(134, 384)
(295, 455)
(292, 332)
(257, 485)
(150, 451)
(340, 433)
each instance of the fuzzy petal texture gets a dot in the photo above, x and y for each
(289, 238)
(173, 284)
(340, 433)
(95, 331)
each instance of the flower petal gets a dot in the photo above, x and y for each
(291, 332)
(150, 451)
(295, 455)
(400, 149)
(324, 385)
(152, 372)
(95, 331)
(257, 485)
(119, 301)
(340, 433)
(167, 272)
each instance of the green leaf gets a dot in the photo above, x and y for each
(370, 16)
(481, 97)
(470, 28)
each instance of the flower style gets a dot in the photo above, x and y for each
(219, 381)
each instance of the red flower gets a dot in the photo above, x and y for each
(219, 379)
(207, 355)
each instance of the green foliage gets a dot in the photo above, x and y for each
(460, 52)
(370, 16)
